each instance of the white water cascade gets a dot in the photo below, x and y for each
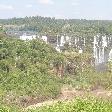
(58, 45)
(95, 50)
(62, 41)
(100, 44)
(110, 55)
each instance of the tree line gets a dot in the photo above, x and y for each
(52, 26)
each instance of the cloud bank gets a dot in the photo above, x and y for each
(46, 2)
(6, 7)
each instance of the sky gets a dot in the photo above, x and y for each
(70, 9)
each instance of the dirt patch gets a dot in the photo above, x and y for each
(23, 101)
(69, 93)
(100, 93)
(46, 103)
(26, 101)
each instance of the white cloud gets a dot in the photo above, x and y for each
(47, 2)
(29, 6)
(75, 3)
(59, 16)
(6, 7)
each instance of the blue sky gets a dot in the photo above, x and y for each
(78, 9)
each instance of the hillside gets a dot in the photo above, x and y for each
(25, 71)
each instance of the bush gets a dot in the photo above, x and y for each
(78, 105)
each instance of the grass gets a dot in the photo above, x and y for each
(90, 80)
(45, 86)
(78, 105)
(20, 89)
(9, 109)
(24, 71)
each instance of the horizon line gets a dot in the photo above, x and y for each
(57, 18)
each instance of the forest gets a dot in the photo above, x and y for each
(52, 26)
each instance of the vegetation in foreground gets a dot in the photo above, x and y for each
(77, 105)
(25, 71)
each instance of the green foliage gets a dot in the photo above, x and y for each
(25, 70)
(52, 26)
(90, 80)
(9, 109)
(78, 105)
(110, 66)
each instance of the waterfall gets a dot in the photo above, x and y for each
(104, 41)
(75, 40)
(100, 43)
(95, 50)
(110, 55)
(70, 41)
(84, 42)
(102, 52)
(62, 41)
(58, 45)
(67, 38)
(44, 38)
(57, 41)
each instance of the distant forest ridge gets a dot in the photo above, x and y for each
(53, 26)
